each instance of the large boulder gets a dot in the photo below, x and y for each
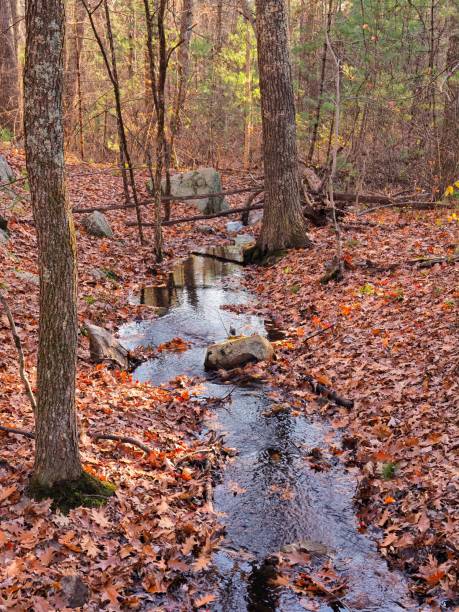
(96, 224)
(104, 347)
(236, 352)
(203, 181)
(6, 173)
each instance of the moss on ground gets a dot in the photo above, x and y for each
(86, 491)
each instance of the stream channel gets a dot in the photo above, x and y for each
(280, 502)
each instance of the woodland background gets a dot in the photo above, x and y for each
(399, 94)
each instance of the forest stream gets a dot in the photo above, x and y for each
(270, 498)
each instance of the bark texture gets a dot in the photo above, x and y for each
(283, 222)
(56, 452)
(9, 86)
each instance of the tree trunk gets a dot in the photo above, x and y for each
(449, 149)
(283, 222)
(248, 128)
(56, 451)
(72, 86)
(183, 68)
(9, 86)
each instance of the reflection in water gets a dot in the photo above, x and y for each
(262, 595)
(280, 499)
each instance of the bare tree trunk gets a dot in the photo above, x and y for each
(323, 68)
(283, 222)
(9, 81)
(449, 148)
(183, 70)
(72, 86)
(56, 456)
(157, 94)
(112, 70)
(248, 99)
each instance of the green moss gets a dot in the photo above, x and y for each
(86, 491)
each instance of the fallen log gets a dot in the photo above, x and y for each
(363, 197)
(223, 213)
(316, 216)
(93, 436)
(166, 199)
(396, 204)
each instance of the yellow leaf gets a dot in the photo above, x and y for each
(204, 600)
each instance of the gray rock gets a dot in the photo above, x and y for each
(255, 217)
(28, 277)
(6, 173)
(205, 229)
(236, 352)
(97, 274)
(234, 226)
(96, 224)
(244, 239)
(75, 591)
(3, 236)
(104, 347)
(203, 181)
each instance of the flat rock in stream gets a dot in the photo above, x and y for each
(236, 352)
(239, 254)
(104, 347)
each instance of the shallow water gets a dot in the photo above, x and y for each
(270, 497)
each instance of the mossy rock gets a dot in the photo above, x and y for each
(87, 491)
(254, 255)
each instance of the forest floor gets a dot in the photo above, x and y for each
(392, 348)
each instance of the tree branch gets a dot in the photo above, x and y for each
(18, 344)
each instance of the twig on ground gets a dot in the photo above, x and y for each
(19, 432)
(123, 439)
(321, 389)
(18, 344)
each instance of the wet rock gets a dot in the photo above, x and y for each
(234, 226)
(75, 591)
(28, 277)
(236, 352)
(233, 253)
(96, 224)
(244, 240)
(6, 173)
(104, 347)
(205, 229)
(203, 181)
(3, 236)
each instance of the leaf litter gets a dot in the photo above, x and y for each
(390, 344)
